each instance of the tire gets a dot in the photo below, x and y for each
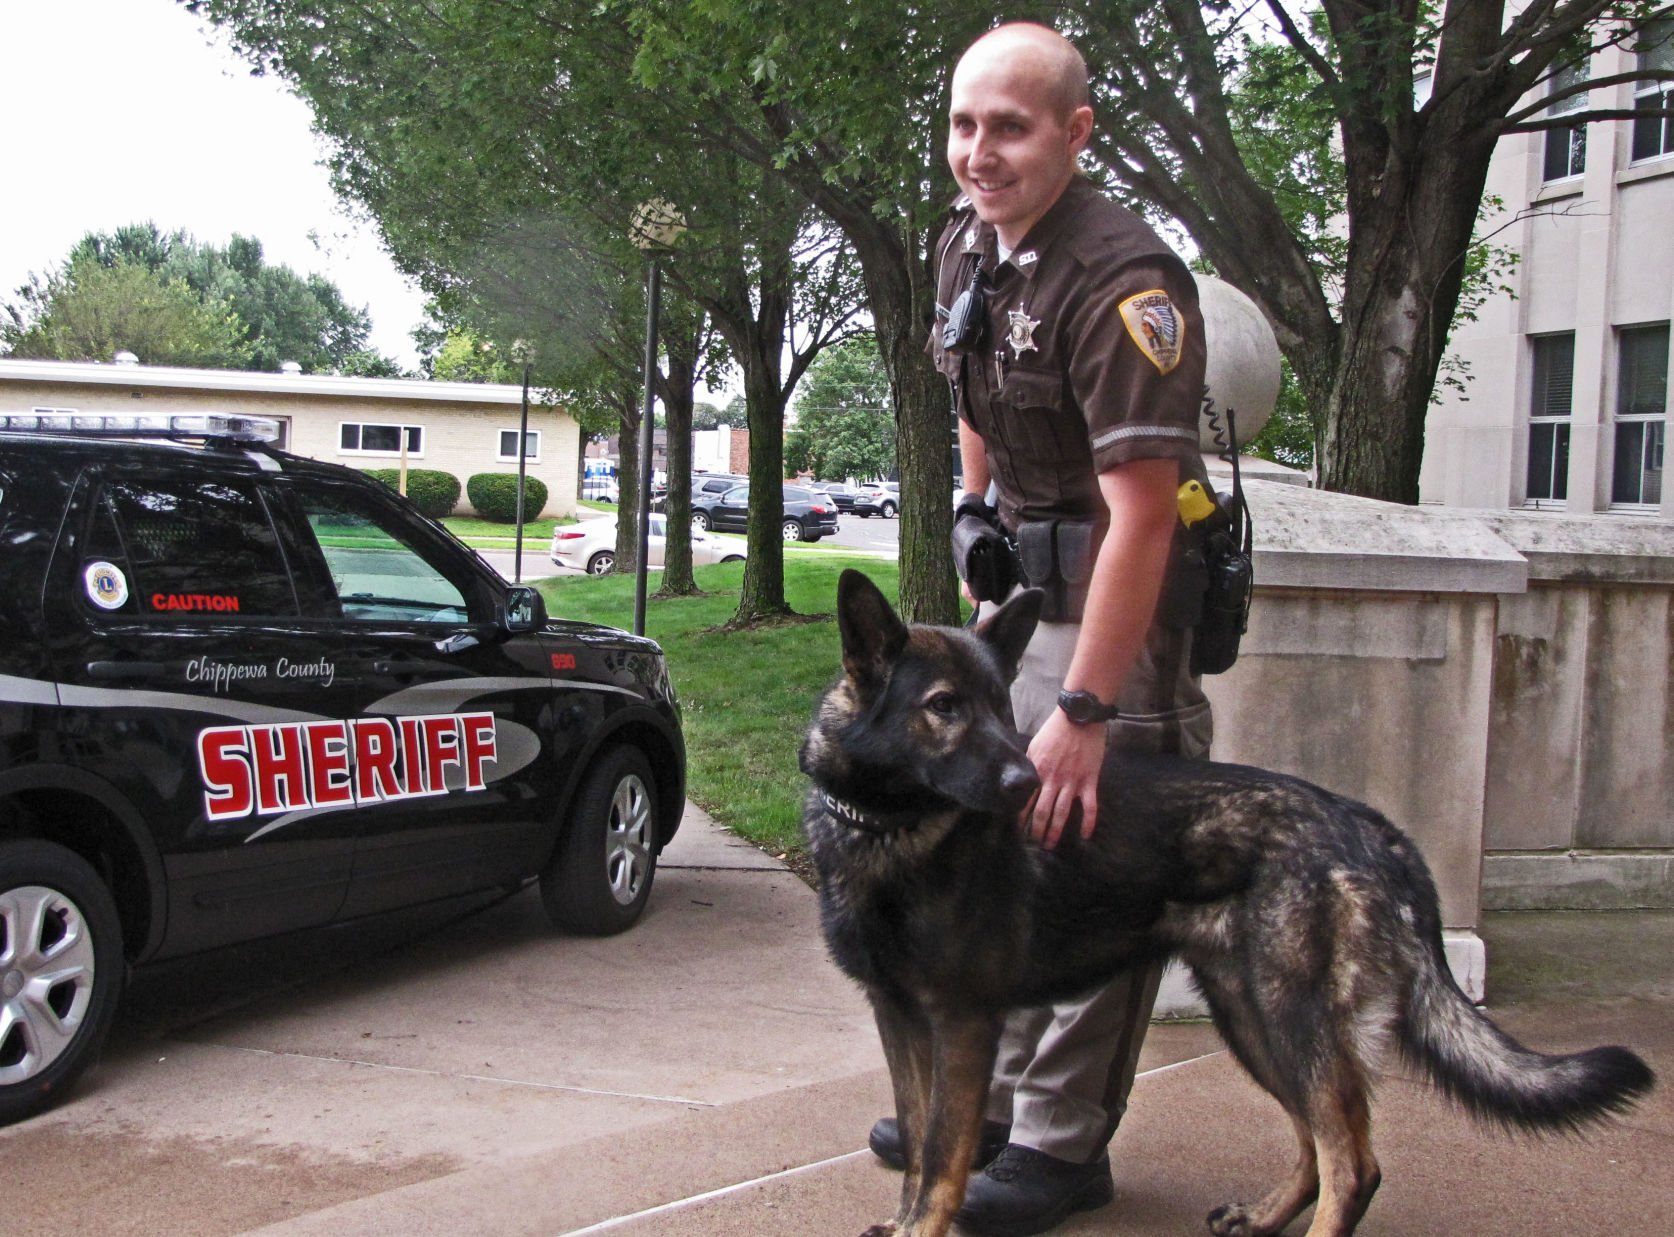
(602, 563)
(601, 874)
(701, 521)
(61, 973)
(791, 530)
(889, 510)
(733, 558)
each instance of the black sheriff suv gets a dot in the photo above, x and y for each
(244, 693)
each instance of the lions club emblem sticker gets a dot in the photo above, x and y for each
(1156, 327)
(1021, 332)
(107, 587)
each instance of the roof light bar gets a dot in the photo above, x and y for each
(156, 425)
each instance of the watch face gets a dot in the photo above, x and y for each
(1080, 707)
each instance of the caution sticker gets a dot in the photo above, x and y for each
(1156, 327)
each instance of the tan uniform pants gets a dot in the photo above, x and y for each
(1064, 1071)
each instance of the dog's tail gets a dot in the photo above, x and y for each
(1499, 1080)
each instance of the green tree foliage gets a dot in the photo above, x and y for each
(464, 357)
(471, 153)
(279, 315)
(847, 106)
(90, 312)
(845, 426)
(708, 416)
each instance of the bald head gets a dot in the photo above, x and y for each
(1049, 60)
(1018, 120)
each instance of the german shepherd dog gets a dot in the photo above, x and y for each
(1310, 922)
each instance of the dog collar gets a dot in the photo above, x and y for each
(872, 822)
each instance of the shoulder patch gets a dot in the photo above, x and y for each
(1156, 326)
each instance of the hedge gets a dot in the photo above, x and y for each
(494, 495)
(432, 491)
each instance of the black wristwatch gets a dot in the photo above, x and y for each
(1084, 708)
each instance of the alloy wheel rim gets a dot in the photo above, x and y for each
(46, 979)
(628, 840)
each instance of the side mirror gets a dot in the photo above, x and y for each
(525, 610)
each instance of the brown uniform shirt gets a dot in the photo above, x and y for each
(1094, 353)
(1094, 356)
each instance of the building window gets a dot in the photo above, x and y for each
(357, 438)
(531, 446)
(1654, 135)
(1549, 410)
(1566, 146)
(1641, 415)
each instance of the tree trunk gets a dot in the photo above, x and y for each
(924, 449)
(902, 299)
(893, 250)
(1407, 263)
(763, 593)
(677, 412)
(627, 485)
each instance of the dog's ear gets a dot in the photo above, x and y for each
(873, 636)
(1008, 629)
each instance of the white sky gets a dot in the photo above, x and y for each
(123, 111)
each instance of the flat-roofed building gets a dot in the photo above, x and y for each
(463, 428)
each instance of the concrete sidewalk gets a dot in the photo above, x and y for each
(711, 1073)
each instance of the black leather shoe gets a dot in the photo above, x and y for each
(1024, 1191)
(885, 1141)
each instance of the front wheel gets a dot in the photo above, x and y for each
(701, 521)
(61, 972)
(599, 879)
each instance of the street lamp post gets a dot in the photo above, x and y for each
(655, 228)
(520, 351)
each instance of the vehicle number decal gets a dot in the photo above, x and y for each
(286, 767)
(563, 661)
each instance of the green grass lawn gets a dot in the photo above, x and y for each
(745, 696)
(490, 534)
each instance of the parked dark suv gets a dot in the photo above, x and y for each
(808, 514)
(707, 489)
(243, 693)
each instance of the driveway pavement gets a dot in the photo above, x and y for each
(463, 1070)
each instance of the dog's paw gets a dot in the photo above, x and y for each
(1232, 1220)
(886, 1229)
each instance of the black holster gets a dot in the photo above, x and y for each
(1229, 580)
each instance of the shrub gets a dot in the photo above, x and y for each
(494, 495)
(432, 491)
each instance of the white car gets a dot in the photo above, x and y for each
(590, 546)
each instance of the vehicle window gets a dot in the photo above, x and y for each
(184, 548)
(378, 574)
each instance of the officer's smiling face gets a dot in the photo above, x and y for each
(1011, 142)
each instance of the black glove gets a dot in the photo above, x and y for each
(982, 554)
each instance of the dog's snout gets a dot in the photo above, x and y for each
(1018, 782)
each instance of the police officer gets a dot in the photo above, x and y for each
(1077, 363)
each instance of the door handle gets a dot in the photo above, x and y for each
(125, 669)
